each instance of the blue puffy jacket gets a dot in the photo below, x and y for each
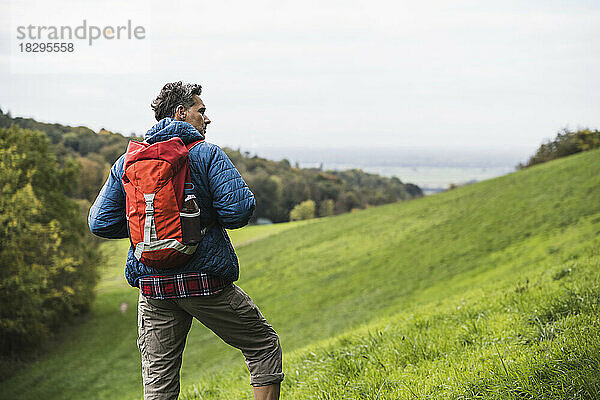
(222, 195)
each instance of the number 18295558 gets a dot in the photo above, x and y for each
(46, 47)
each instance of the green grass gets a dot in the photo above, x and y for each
(487, 291)
(532, 336)
(249, 234)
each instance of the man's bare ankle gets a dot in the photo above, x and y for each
(269, 392)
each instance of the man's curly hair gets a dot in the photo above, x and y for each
(172, 95)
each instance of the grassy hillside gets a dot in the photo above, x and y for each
(488, 290)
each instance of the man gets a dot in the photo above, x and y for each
(202, 288)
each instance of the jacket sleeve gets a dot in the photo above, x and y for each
(107, 214)
(232, 199)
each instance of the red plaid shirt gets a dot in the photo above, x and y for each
(181, 285)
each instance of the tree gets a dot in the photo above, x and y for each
(326, 208)
(346, 202)
(268, 191)
(47, 269)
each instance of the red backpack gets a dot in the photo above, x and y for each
(154, 178)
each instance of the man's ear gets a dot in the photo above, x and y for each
(180, 113)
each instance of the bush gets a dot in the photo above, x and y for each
(304, 210)
(47, 269)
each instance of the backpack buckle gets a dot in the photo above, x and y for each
(149, 198)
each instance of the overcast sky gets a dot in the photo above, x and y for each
(491, 74)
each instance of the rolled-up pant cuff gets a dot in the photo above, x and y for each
(266, 380)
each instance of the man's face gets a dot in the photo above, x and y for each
(196, 117)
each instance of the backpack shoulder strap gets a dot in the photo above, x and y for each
(192, 144)
(213, 223)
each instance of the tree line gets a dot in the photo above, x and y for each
(565, 143)
(278, 186)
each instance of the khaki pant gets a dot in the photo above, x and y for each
(163, 326)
